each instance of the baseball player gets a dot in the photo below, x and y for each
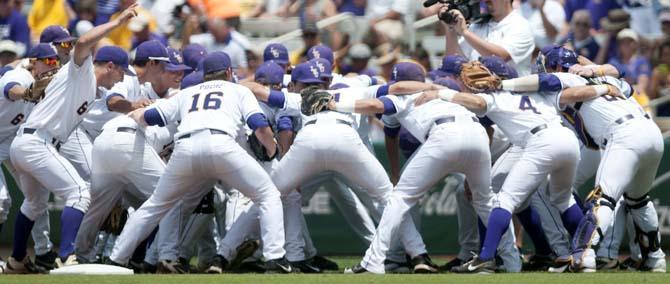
(204, 153)
(40, 167)
(535, 126)
(432, 124)
(622, 129)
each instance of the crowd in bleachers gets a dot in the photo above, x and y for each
(629, 34)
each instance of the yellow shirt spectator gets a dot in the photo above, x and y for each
(123, 36)
(223, 9)
(45, 13)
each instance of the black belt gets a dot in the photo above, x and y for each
(212, 131)
(451, 119)
(54, 141)
(340, 121)
(126, 129)
(538, 129)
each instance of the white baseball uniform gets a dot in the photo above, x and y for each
(453, 141)
(203, 154)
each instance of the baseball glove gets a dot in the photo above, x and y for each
(35, 92)
(478, 78)
(314, 101)
(115, 221)
(258, 149)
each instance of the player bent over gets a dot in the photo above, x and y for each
(34, 151)
(205, 151)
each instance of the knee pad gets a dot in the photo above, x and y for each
(597, 198)
(588, 233)
(648, 240)
(636, 203)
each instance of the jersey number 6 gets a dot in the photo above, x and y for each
(211, 101)
(17, 119)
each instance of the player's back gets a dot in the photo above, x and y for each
(68, 97)
(217, 105)
(13, 113)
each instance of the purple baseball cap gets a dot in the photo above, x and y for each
(42, 50)
(408, 71)
(192, 79)
(449, 83)
(57, 34)
(451, 66)
(496, 65)
(557, 55)
(216, 61)
(276, 52)
(269, 73)
(115, 55)
(193, 54)
(176, 61)
(306, 73)
(151, 50)
(325, 68)
(321, 51)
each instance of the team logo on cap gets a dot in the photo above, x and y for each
(314, 71)
(316, 53)
(321, 67)
(178, 57)
(395, 73)
(275, 52)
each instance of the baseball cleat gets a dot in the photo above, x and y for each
(305, 266)
(245, 250)
(22, 267)
(46, 261)
(3, 266)
(423, 264)
(452, 263)
(560, 264)
(584, 261)
(168, 266)
(657, 265)
(324, 263)
(256, 266)
(396, 267)
(356, 269)
(279, 265)
(476, 265)
(69, 260)
(606, 263)
(219, 264)
(538, 263)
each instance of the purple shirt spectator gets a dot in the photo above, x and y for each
(587, 48)
(636, 67)
(15, 27)
(356, 7)
(153, 36)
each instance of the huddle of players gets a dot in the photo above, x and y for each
(318, 125)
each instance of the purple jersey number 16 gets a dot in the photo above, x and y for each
(526, 105)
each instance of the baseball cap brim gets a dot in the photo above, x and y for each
(177, 67)
(127, 71)
(437, 73)
(311, 81)
(67, 39)
(280, 61)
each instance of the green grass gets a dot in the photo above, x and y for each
(336, 278)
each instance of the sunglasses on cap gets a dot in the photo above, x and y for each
(65, 45)
(52, 61)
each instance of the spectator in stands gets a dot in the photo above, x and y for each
(141, 31)
(228, 10)
(615, 21)
(84, 12)
(314, 11)
(386, 60)
(386, 20)
(123, 36)
(580, 39)
(45, 13)
(659, 84)
(356, 7)
(546, 18)
(642, 14)
(359, 56)
(14, 26)
(507, 35)
(104, 9)
(220, 38)
(636, 68)
(270, 8)
(598, 9)
(664, 18)
(8, 52)
(310, 37)
(421, 56)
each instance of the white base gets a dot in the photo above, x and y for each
(92, 269)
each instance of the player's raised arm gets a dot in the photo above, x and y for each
(475, 103)
(585, 93)
(85, 44)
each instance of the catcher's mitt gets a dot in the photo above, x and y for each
(314, 101)
(478, 78)
(115, 221)
(258, 149)
(35, 92)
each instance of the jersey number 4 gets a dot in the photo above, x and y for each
(526, 105)
(210, 101)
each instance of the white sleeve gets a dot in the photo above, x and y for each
(75, 71)
(19, 75)
(169, 108)
(248, 103)
(371, 92)
(570, 80)
(490, 104)
(519, 43)
(119, 89)
(401, 103)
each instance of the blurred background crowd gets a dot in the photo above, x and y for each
(369, 36)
